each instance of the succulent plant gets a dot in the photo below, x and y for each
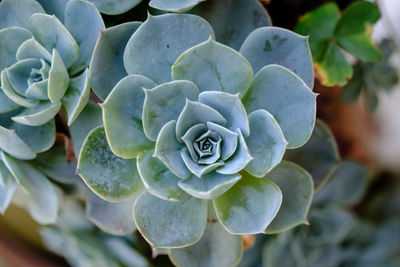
(185, 118)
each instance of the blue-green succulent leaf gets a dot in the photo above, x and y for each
(58, 78)
(190, 136)
(13, 167)
(284, 95)
(198, 169)
(178, 6)
(55, 7)
(170, 224)
(266, 143)
(5, 175)
(273, 45)
(214, 67)
(10, 39)
(157, 178)
(18, 12)
(19, 73)
(38, 138)
(233, 20)
(32, 49)
(6, 194)
(164, 103)
(107, 65)
(38, 115)
(6, 104)
(249, 206)
(14, 96)
(76, 96)
(209, 186)
(230, 107)
(111, 178)
(78, 13)
(55, 36)
(194, 113)
(230, 139)
(122, 115)
(239, 159)
(158, 42)
(168, 150)
(112, 218)
(11, 143)
(216, 248)
(115, 7)
(38, 90)
(297, 188)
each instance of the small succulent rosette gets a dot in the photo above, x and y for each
(203, 134)
(43, 65)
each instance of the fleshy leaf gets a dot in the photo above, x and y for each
(214, 67)
(239, 160)
(190, 136)
(38, 115)
(170, 224)
(216, 248)
(10, 39)
(194, 113)
(14, 96)
(157, 178)
(6, 105)
(58, 78)
(297, 189)
(38, 138)
(272, 45)
(115, 7)
(158, 42)
(111, 178)
(18, 12)
(5, 175)
(249, 206)
(232, 28)
(168, 150)
(107, 58)
(38, 90)
(209, 186)
(11, 143)
(230, 107)
(112, 218)
(77, 96)
(78, 13)
(198, 169)
(164, 103)
(55, 7)
(319, 156)
(122, 115)
(18, 74)
(178, 6)
(55, 36)
(230, 139)
(6, 194)
(32, 49)
(287, 98)
(266, 143)
(354, 28)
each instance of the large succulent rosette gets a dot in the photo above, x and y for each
(203, 134)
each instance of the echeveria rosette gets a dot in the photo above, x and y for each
(186, 116)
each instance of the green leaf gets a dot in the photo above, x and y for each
(217, 248)
(6, 193)
(18, 12)
(115, 7)
(14, 96)
(272, 45)
(297, 189)
(32, 49)
(232, 28)
(354, 29)
(58, 78)
(78, 13)
(38, 138)
(168, 150)
(77, 96)
(319, 156)
(38, 115)
(157, 178)
(352, 90)
(372, 99)
(38, 90)
(287, 98)
(19, 74)
(111, 178)
(55, 7)
(107, 66)
(112, 218)
(209, 186)
(266, 143)
(249, 206)
(52, 34)
(122, 115)
(170, 224)
(214, 67)
(178, 6)
(158, 42)
(164, 103)
(10, 39)
(11, 143)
